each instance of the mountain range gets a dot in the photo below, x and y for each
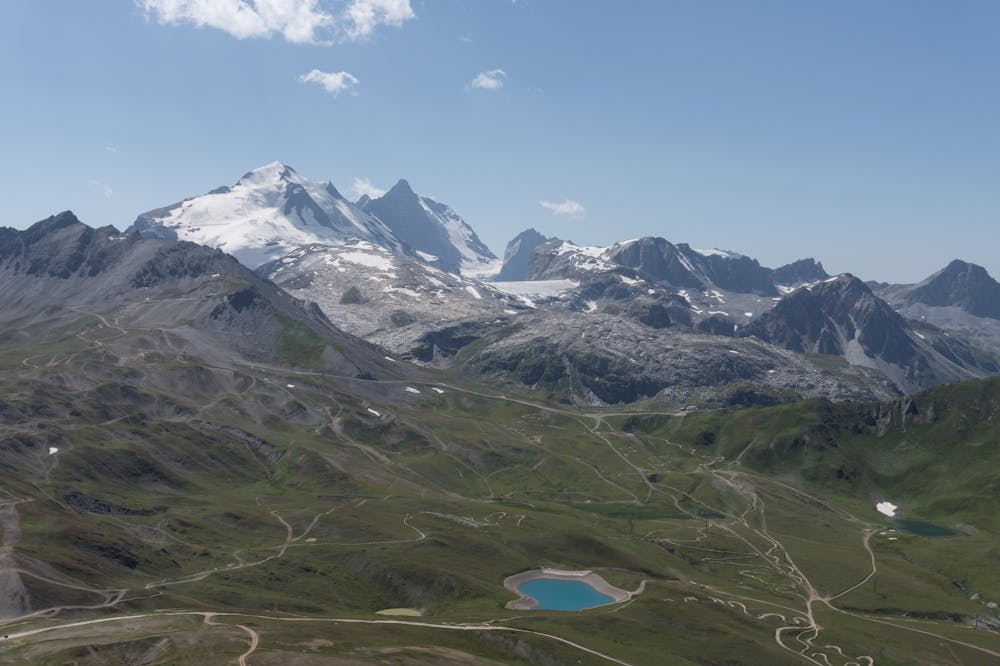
(409, 274)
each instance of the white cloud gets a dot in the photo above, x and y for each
(465, 39)
(363, 16)
(568, 207)
(298, 21)
(111, 148)
(491, 79)
(364, 186)
(333, 82)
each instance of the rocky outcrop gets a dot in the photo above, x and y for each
(799, 272)
(517, 254)
(962, 285)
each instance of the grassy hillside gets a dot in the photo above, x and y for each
(197, 511)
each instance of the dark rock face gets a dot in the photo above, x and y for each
(962, 285)
(657, 259)
(825, 318)
(412, 219)
(298, 201)
(176, 261)
(148, 224)
(800, 272)
(718, 325)
(546, 263)
(515, 258)
(62, 247)
(658, 313)
(842, 317)
(448, 341)
(733, 273)
(60, 268)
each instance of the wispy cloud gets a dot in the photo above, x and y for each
(465, 39)
(298, 21)
(108, 192)
(111, 148)
(569, 208)
(333, 82)
(362, 186)
(491, 79)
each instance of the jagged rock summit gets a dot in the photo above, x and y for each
(960, 284)
(679, 266)
(841, 316)
(431, 228)
(799, 272)
(517, 254)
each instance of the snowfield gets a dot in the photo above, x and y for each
(887, 508)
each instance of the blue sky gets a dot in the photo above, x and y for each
(865, 134)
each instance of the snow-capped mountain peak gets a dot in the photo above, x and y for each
(269, 173)
(269, 212)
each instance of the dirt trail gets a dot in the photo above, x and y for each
(209, 619)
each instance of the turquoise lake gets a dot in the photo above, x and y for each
(563, 595)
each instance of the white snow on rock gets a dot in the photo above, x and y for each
(887, 508)
(436, 390)
(268, 213)
(462, 237)
(587, 257)
(402, 290)
(729, 254)
(53, 450)
(374, 412)
(536, 288)
(410, 389)
(472, 290)
(371, 260)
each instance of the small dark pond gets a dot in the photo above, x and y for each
(923, 528)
